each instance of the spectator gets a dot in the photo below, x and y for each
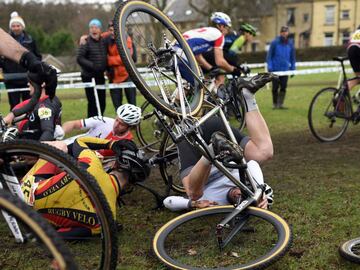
(117, 71)
(17, 31)
(281, 57)
(92, 60)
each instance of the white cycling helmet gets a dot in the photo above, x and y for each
(129, 113)
(221, 18)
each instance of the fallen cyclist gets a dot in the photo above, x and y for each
(204, 184)
(51, 191)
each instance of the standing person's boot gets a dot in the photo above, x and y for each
(281, 99)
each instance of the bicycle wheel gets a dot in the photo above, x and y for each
(190, 241)
(235, 112)
(152, 30)
(43, 240)
(328, 118)
(350, 250)
(150, 131)
(169, 167)
(22, 156)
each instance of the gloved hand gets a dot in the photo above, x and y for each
(214, 71)
(45, 73)
(121, 145)
(236, 72)
(245, 69)
(10, 134)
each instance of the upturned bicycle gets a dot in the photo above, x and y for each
(238, 236)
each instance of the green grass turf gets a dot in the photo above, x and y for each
(316, 185)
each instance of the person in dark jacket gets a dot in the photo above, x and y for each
(281, 57)
(17, 27)
(92, 58)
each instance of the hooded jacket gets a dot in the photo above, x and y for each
(281, 55)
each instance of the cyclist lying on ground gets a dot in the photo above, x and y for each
(205, 185)
(43, 119)
(52, 192)
(128, 116)
(12, 50)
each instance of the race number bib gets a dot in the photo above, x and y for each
(28, 187)
(44, 113)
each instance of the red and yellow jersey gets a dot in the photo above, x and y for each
(60, 198)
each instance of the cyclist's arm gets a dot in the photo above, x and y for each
(202, 62)
(47, 120)
(220, 60)
(92, 143)
(237, 45)
(10, 48)
(71, 125)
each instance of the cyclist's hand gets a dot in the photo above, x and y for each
(214, 71)
(263, 203)
(45, 73)
(10, 134)
(236, 72)
(119, 146)
(203, 203)
(245, 69)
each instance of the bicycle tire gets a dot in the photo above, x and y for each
(169, 168)
(107, 243)
(41, 229)
(236, 112)
(350, 250)
(162, 247)
(145, 12)
(151, 141)
(323, 121)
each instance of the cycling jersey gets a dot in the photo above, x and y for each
(101, 127)
(237, 44)
(42, 120)
(355, 39)
(60, 199)
(204, 39)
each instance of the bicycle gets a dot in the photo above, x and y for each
(17, 158)
(331, 110)
(350, 250)
(41, 237)
(271, 234)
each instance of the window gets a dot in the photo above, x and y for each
(328, 39)
(345, 37)
(329, 15)
(306, 17)
(345, 14)
(290, 17)
(254, 46)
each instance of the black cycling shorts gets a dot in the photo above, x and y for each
(210, 58)
(187, 153)
(354, 57)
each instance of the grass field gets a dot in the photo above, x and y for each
(316, 185)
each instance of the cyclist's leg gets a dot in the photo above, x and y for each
(354, 57)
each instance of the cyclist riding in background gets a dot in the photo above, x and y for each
(206, 39)
(128, 116)
(43, 120)
(61, 200)
(246, 34)
(12, 50)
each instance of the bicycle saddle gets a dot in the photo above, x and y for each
(255, 83)
(340, 58)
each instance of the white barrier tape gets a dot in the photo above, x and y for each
(153, 83)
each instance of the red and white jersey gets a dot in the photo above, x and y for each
(100, 127)
(355, 39)
(204, 39)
